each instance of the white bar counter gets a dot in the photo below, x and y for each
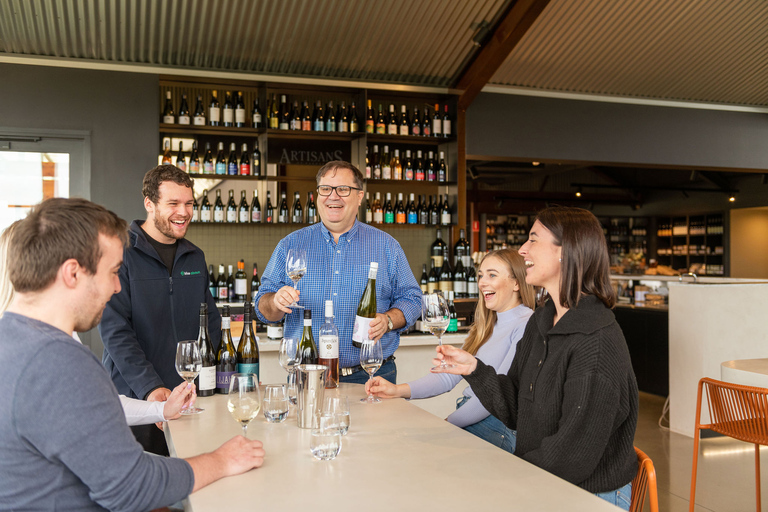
(747, 372)
(395, 457)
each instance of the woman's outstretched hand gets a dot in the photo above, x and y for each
(460, 362)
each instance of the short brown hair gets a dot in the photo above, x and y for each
(54, 231)
(335, 165)
(586, 265)
(150, 187)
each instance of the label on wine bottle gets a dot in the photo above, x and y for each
(257, 120)
(472, 289)
(460, 287)
(248, 368)
(222, 382)
(362, 325)
(183, 119)
(241, 287)
(240, 116)
(245, 169)
(214, 114)
(445, 219)
(168, 119)
(328, 348)
(403, 129)
(386, 172)
(207, 378)
(198, 121)
(256, 215)
(446, 128)
(453, 325)
(231, 215)
(438, 261)
(368, 216)
(274, 331)
(205, 216)
(243, 215)
(207, 168)
(229, 116)
(194, 167)
(378, 217)
(413, 218)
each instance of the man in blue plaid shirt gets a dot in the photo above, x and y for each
(339, 253)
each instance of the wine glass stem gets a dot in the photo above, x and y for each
(370, 380)
(245, 430)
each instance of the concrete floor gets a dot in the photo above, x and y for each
(726, 475)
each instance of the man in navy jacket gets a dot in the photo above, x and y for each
(164, 279)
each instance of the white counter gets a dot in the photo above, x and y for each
(747, 372)
(395, 457)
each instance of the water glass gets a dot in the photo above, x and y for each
(275, 404)
(325, 442)
(338, 407)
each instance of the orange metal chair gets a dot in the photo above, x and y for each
(645, 480)
(735, 411)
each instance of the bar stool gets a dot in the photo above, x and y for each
(645, 480)
(735, 411)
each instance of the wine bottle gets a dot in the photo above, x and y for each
(368, 208)
(239, 110)
(255, 282)
(446, 123)
(408, 166)
(274, 114)
(307, 349)
(218, 208)
(434, 214)
(255, 207)
(411, 214)
(311, 209)
(376, 165)
(318, 117)
(231, 213)
(221, 286)
(230, 284)
(282, 214)
(381, 122)
(437, 123)
(344, 118)
(426, 124)
(389, 212)
(392, 125)
(453, 318)
(285, 114)
(386, 164)
(442, 171)
(270, 211)
(232, 169)
(226, 359)
(369, 121)
(199, 118)
(354, 122)
(214, 113)
(243, 211)
(419, 166)
(295, 121)
(431, 167)
(397, 166)
(424, 278)
(256, 159)
(328, 350)
(194, 160)
(445, 213)
(211, 282)
(368, 169)
(241, 283)
(167, 156)
(416, 122)
(297, 212)
(181, 161)
(275, 330)
(245, 161)
(221, 162)
(461, 250)
(228, 111)
(436, 249)
(460, 280)
(208, 159)
(378, 210)
(195, 210)
(248, 348)
(472, 290)
(423, 211)
(306, 118)
(205, 208)
(206, 379)
(256, 115)
(184, 111)
(400, 217)
(330, 118)
(433, 277)
(405, 123)
(366, 309)
(168, 116)
(445, 279)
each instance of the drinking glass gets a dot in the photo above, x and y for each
(325, 442)
(371, 359)
(188, 366)
(275, 403)
(244, 400)
(338, 407)
(435, 315)
(288, 359)
(296, 267)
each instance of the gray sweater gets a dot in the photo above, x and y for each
(63, 437)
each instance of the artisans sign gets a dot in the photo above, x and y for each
(305, 152)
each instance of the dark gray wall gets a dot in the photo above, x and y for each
(504, 125)
(120, 110)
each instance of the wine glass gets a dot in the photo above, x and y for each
(338, 407)
(296, 267)
(188, 366)
(244, 402)
(371, 359)
(288, 359)
(275, 403)
(436, 315)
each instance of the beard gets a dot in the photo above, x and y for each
(83, 325)
(163, 225)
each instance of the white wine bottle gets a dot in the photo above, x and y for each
(366, 309)
(248, 349)
(226, 359)
(307, 351)
(328, 350)
(241, 283)
(206, 380)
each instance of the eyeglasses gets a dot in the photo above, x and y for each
(341, 190)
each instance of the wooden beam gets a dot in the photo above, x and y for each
(509, 31)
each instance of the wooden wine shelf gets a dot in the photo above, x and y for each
(409, 182)
(408, 139)
(310, 135)
(227, 131)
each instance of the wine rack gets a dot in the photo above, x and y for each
(695, 243)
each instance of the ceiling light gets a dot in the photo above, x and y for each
(732, 198)
(535, 164)
(482, 34)
(578, 192)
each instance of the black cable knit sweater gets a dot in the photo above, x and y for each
(571, 395)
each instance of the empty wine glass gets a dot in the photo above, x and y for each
(435, 315)
(338, 407)
(188, 366)
(275, 403)
(371, 359)
(288, 359)
(244, 402)
(296, 267)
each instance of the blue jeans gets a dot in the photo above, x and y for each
(387, 371)
(620, 497)
(491, 429)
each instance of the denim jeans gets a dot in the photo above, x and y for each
(620, 497)
(491, 429)
(387, 371)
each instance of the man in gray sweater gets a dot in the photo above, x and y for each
(63, 437)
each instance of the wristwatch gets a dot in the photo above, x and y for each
(390, 325)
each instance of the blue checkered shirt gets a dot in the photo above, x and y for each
(339, 272)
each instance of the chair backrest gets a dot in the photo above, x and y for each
(736, 411)
(645, 480)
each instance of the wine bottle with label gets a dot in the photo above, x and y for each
(445, 213)
(433, 278)
(378, 210)
(460, 280)
(445, 279)
(181, 161)
(411, 213)
(423, 211)
(436, 249)
(285, 114)
(195, 210)
(243, 211)
(312, 217)
(461, 250)
(386, 164)
(297, 212)
(194, 160)
(255, 282)
(226, 359)
(400, 215)
(211, 281)
(397, 166)
(295, 120)
(446, 123)
(184, 111)
(218, 208)
(168, 115)
(418, 167)
(256, 159)
(437, 123)
(214, 112)
(453, 319)
(282, 214)
(255, 208)
(228, 111)
(392, 125)
(472, 289)
(199, 118)
(307, 350)
(256, 115)
(366, 309)
(206, 379)
(389, 212)
(221, 161)
(354, 122)
(431, 167)
(408, 166)
(442, 171)
(241, 283)
(245, 161)
(232, 168)
(330, 118)
(434, 212)
(274, 113)
(167, 156)
(318, 117)
(221, 286)
(344, 118)
(381, 122)
(240, 111)
(206, 214)
(424, 278)
(248, 348)
(306, 117)
(328, 350)
(405, 123)
(376, 163)
(231, 207)
(416, 122)
(230, 284)
(270, 210)
(208, 159)
(369, 121)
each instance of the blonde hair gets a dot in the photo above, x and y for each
(485, 319)
(6, 288)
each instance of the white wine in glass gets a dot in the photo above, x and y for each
(244, 402)
(296, 267)
(435, 316)
(188, 365)
(371, 359)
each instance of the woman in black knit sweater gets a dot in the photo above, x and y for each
(570, 393)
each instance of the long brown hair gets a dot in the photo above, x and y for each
(485, 319)
(586, 267)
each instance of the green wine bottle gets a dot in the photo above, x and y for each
(248, 349)
(307, 347)
(366, 310)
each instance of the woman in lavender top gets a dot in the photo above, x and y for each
(505, 305)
